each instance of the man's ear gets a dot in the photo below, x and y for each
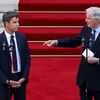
(6, 24)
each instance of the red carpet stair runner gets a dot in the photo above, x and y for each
(52, 78)
(43, 34)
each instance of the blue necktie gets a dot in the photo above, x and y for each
(14, 57)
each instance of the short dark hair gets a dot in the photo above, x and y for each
(7, 16)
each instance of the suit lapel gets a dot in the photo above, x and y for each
(18, 42)
(87, 35)
(95, 45)
(97, 41)
(4, 40)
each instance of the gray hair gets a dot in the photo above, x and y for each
(95, 11)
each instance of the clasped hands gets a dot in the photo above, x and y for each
(15, 84)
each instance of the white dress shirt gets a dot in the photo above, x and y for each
(97, 32)
(8, 36)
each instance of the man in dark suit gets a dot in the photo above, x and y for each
(14, 59)
(88, 77)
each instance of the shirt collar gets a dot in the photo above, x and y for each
(8, 35)
(97, 29)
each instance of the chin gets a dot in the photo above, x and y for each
(16, 30)
(89, 25)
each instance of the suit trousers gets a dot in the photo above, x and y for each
(4, 92)
(86, 94)
(18, 93)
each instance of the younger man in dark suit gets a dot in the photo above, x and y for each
(14, 59)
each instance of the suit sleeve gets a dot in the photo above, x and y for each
(71, 42)
(3, 77)
(27, 60)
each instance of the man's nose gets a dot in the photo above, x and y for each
(18, 24)
(85, 20)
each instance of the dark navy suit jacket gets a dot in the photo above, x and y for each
(5, 58)
(89, 73)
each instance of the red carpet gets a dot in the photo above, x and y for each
(35, 34)
(52, 19)
(53, 79)
(39, 49)
(57, 5)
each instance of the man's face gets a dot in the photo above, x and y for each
(13, 25)
(92, 23)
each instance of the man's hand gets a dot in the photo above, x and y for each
(14, 84)
(51, 43)
(21, 80)
(93, 60)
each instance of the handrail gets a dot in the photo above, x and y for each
(36, 41)
(47, 26)
(50, 26)
(49, 12)
(54, 56)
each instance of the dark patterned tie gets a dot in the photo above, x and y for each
(14, 57)
(93, 36)
(92, 39)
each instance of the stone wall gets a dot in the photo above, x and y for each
(6, 5)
